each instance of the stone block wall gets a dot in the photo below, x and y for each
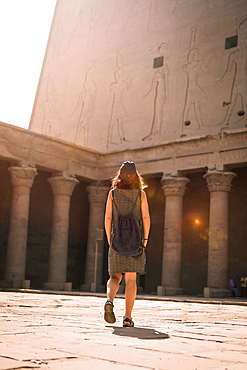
(127, 74)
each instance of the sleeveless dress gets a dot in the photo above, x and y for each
(125, 199)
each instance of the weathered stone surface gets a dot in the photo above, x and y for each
(219, 185)
(54, 331)
(97, 195)
(22, 179)
(188, 154)
(174, 189)
(62, 187)
(150, 72)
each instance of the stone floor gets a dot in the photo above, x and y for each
(67, 331)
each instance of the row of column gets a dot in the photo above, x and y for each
(22, 178)
(219, 185)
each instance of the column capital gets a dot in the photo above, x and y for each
(174, 185)
(97, 193)
(22, 175)
(63, 185)
(219, 180)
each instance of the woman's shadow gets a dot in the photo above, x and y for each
(140, 333)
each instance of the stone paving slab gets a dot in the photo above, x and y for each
(6, 363)
(58, 331)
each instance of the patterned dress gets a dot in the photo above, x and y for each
(125, 200)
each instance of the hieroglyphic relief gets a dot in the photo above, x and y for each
(132, 13)
(82, 114)
(153, 23)
(151, 18)
(76, 30)
(49, 108)
(195, 94)
(118, 116)
(237, 63)
(193, 37)
(64, 39)
(160, 87)
(175, 6)
(211, 4)
(121, 18)
(86, 32)
(113, 24)
(92, 23)
(85, 107)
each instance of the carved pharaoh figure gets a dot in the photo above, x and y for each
(237, 62)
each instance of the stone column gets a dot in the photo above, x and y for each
(62, 187)
(174, 189)
(219, 185)
(97, 195)
(22, 180)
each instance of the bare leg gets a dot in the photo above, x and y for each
(113, 285)
(130, 292)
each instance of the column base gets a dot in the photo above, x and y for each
(162, 291)
(25, 284)
(93, 288)
(217, 293)
(67, 287)
(10, 284)
(53, 286)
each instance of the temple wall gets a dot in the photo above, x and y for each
(161, 83)
(129, 74)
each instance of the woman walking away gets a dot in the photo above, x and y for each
(127, 224)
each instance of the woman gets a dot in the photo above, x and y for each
(126, 196)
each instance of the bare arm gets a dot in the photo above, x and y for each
(145, 217)
(108, 217)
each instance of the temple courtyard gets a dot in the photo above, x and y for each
(58, 330)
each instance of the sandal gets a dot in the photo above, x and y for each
(109, 315)
(128, 323)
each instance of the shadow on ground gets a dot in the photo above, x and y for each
(140, 333)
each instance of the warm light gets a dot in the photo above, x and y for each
(197, 222)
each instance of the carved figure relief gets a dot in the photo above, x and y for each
(92, 24)
(132, 14)
(85, 107)
(211, 4)
(237, 62)
(113, 25)
(65, 39)
(76, 30)
(121, 18)
(118, 116)
(193, 37)
(160, 92)
(49, 109)
(194, 95)
(153, 23)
